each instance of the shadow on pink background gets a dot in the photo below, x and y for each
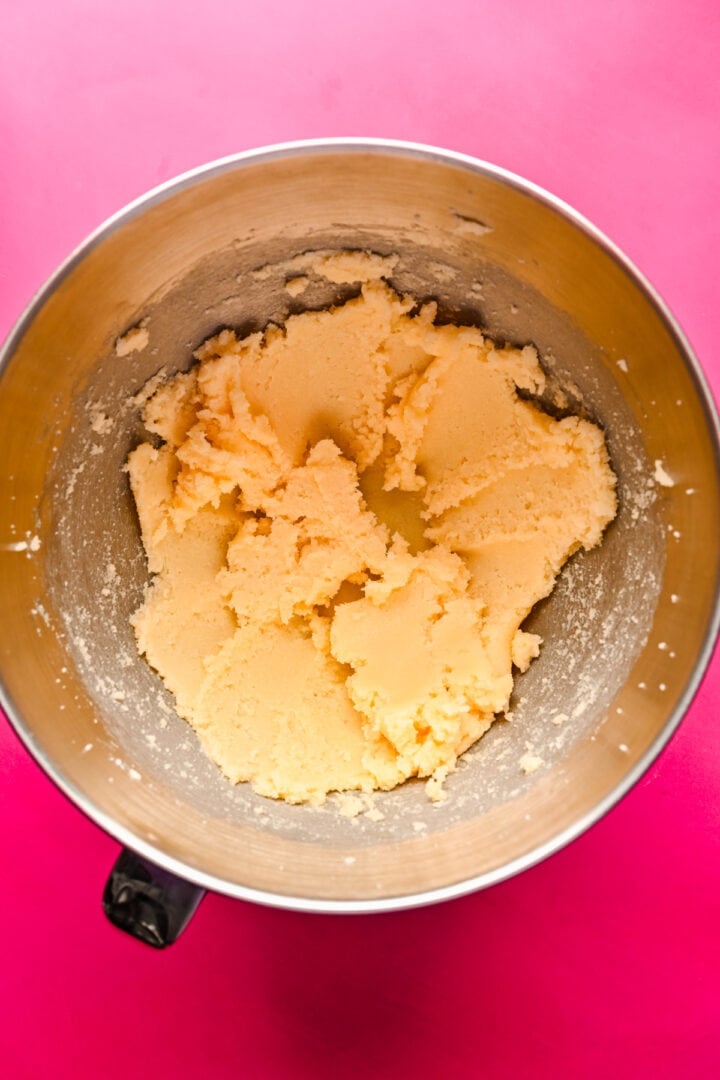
(602, 961)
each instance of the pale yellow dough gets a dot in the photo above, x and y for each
(347, 521)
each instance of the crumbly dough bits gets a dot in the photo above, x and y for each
(347, 520)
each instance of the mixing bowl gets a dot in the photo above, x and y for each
(627, 632)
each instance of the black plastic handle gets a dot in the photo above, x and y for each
(148, 902)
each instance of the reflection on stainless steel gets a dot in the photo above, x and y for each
(627, 633)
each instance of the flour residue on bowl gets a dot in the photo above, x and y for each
(348, 519)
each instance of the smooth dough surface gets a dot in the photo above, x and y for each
(347, 520)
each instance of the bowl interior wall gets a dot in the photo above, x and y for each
(622, 631)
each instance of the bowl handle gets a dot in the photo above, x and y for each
(148, 902)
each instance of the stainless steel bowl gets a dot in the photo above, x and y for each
(628, 631)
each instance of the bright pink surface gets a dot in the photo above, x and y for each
(603, 961)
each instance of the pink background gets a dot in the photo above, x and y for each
(603, 961)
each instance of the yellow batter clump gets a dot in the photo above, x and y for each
(348, 519)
